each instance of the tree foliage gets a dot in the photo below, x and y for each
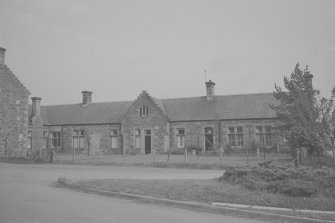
(326, 126)
(298, 110)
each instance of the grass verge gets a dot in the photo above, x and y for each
(209, 191)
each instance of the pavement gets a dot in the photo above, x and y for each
(29, 193)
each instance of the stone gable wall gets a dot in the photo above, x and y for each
(14, 114)
(156, 122)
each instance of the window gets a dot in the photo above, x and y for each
(264, 135)
(268, 136)
(181, 138)
(30, 139)
(286, 136)
(239, 134)
(45, 139)
(114, 135)
(144, 111)
(55, 139)
(209, 131)
(235, 136)
(137, 138)
(78, 139)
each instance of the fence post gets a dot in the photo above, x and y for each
(185, 156)
(74, 154)
(258, 154)
(153, 155)
(298, 161)
(221, 151)
(6, 148)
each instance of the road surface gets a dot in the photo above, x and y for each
(29, 193)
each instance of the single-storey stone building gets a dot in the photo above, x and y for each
(145, 125)
(14, 112)
(149, 125)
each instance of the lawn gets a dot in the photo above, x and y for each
(209, 191)
(269, 184)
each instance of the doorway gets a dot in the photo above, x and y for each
(147, 142)
(209, 139)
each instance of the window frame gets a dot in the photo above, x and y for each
(144, 111)
(45, 139)
(30, 139)
(78, 139)
(265, 135)
(137, 138)
(236, 136)
(55, 139)
(180, 134)
(114, 138)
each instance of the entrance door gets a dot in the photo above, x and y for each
(209, 138)
(147, 141)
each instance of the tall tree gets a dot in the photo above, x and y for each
(298, 110)
(326, 126)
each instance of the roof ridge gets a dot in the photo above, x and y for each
(158, 106)
(242, 94)
(106, 102)
(162, 99)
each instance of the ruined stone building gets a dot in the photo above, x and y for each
(14, 112)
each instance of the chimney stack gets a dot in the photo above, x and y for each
(87, 97)
(2, 56)
(210, 90)
(308, 77)
(36, 106)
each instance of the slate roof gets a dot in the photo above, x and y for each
(246, 106)
(228, 107)
(94, 113)
(160, 104)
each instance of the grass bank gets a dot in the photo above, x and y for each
(175, 161)
(209, 191)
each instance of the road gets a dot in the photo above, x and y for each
(29, 193)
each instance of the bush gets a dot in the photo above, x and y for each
(192, 148)
(284, 179)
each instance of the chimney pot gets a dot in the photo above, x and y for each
(36, 106)
(87, 97)
(309, 78)
(2, 56)
(210, 90)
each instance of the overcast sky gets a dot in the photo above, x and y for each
(116, 49)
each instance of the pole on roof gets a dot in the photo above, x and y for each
(205, 75)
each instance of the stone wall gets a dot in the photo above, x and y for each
(14, 114)
(97, 138)
(195, 132)
(37, 129)
(155, 121)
